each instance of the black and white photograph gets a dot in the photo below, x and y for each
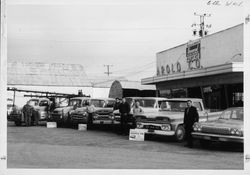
(124, 86)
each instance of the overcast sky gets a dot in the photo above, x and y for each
(124, 33)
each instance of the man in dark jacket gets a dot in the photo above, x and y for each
(124, 110)
(117, 103)
(27, 112)
(190, 117)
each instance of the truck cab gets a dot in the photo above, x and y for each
(168, 120)
(94, 111)
(148, 104)
(40, 110)
(61, 115)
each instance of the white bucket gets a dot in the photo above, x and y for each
(51, 125)
(136, 135)
(82, 127)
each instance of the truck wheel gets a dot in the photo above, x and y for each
(205, 143)
(180, 133)
(17, 123)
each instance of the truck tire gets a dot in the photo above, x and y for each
(18, 123)
(180, 133)
(204, 143)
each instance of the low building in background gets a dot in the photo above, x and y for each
(131, 89)
(50, 77)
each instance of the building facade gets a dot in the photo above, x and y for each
(210, 68)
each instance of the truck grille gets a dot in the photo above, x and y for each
(103, 117)
(103, 112)
(152, 127)
(213, 130)
(76, 117)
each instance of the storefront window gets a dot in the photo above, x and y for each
(238, 99)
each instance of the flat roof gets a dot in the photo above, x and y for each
(202, 72)
(171, 48)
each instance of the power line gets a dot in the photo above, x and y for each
(202, 31)
(133, 68)
(108, 71)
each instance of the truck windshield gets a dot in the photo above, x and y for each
(147, 103)
(109, 104)
(98, 103)
(75, 102)
(33, 102)
(178, 106)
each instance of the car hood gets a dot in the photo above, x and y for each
(167, 114)
(145, 110)
(65, 109)
(81, 109)
(221, 123)
(105, 110)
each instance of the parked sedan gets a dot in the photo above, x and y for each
(228, 128)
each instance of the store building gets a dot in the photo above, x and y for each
(210, 68)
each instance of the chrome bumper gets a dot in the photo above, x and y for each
(217, 137)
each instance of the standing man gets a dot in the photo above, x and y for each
(117, 103)
(136, 110)
(124, 110)
(90, 109)
(27, 112)
(190, 117)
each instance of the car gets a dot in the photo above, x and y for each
(227, 128)
(168, 120)
(40, 110)
(100, 108)
(61, 115)
(148, 104)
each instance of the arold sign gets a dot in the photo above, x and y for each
(190, 62)
(169, 69)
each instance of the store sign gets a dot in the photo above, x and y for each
(169, 69)
(193, 55)
(136, 135)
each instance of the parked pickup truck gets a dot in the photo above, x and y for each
(148, 104)
(61, 115)
(40, 110)
(168, 120)
(101, 110)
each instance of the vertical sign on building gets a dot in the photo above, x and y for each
(193, 55)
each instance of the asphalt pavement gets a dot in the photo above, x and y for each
(41, 147)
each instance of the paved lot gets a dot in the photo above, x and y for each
(40, 147)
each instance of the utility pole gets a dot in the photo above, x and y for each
(202, 31)
(108, 71)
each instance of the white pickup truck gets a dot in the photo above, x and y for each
(168, 120)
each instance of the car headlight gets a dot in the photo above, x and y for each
(111, 116)
(197, 127)
(166, 127)
(139, 125)
(233, 131)
(237, 132)
(95, 116)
